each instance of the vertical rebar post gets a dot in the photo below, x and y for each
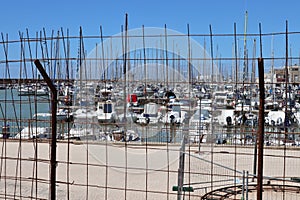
(260, 131)
(53, 127)
(243, 186)
(287, 98)
(181, 164)
(247, 184)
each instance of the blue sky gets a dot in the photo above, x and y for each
(90, 14)
(199, 14)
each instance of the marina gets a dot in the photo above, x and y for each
(160, 115)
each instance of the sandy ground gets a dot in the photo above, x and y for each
(115, 171)
(96, 171)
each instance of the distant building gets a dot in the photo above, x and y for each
(279, 76)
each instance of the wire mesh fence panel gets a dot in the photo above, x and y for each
(149, 113)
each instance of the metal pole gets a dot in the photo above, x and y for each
(199, 125)
(181, 165)
(255, 159)
(247, 183)
(243, 186)
(53, 127)
(260, 131)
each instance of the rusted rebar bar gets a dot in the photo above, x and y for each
(260, 130)
(53, 128)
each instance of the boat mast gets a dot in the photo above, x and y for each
(103, 61)
(204, 73)
(166, 54)
(56, 68)
(245, 70)
(245, 67)
(125, 65)
(145, 63)
(253, 70)
(272, 69)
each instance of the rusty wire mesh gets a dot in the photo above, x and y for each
(126, 158)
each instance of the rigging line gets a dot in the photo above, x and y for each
(23, 63)
(212, 80)
(35, 145)
(3, 151)
(56, 56)
(46, 62)
(106, 142)
(65, 53)
(30, 54)
(34, 74)
(8, 74)
(87, 141)
(19, 158)
(189, 94)
(45, 54)
(236, 89)
(167, 77)
(145, 76)
(13, 104)
(82, 56)
(52, 57)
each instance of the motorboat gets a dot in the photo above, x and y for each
(275, 118)
(199, 121)
(150, 114)
(83, 131)
(226, 117)
(106, 112)
(31, 132)
(174, 114)
(61, 115)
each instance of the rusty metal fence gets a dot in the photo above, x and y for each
(149, 113)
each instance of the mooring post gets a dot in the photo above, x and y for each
(260, 131)
(53, 128)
